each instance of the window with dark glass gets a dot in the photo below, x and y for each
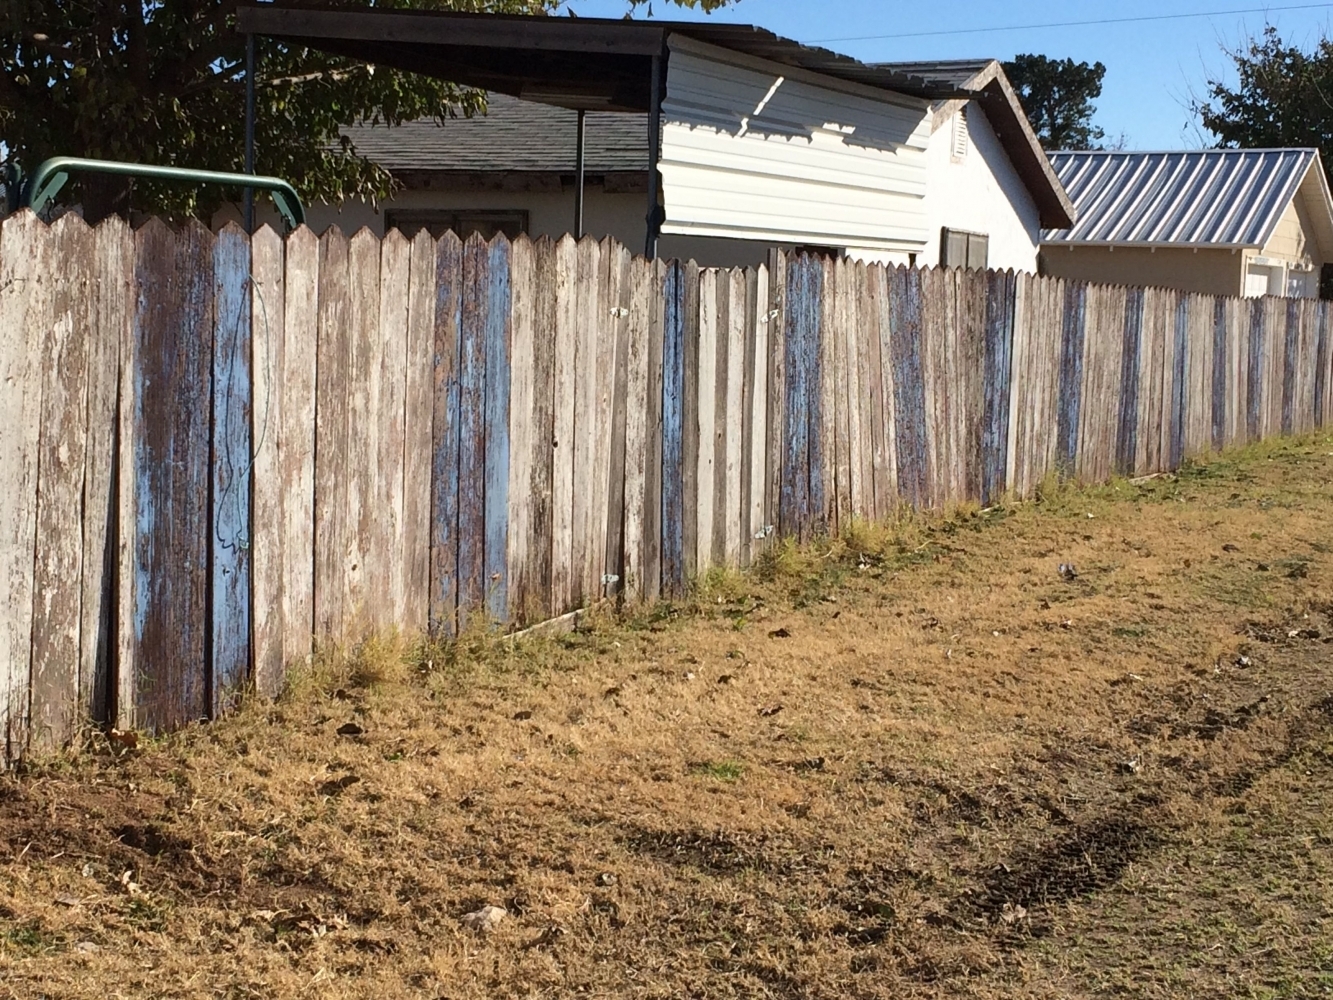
(959, 248)
(464, 222)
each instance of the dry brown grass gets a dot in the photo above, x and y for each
(910, 762)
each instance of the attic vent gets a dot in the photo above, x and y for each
(959, 150)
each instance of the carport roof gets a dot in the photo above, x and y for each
(575, 62)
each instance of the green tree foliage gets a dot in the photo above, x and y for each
(162, 81)
(1283, 97)
(1057, 95)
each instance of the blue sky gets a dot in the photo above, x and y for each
(1153, 68)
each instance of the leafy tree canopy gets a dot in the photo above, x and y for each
(1283, 97)
(1057, 95)
(162, 81)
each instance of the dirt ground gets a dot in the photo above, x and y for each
(913, 762)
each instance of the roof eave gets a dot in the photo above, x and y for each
(1010, 122)
(1323, 201)
(1148, 245)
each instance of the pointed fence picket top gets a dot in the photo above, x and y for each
(221, 450)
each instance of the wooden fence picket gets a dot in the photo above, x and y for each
(164, 585)
(24, 249)
(114, 298)
(271, 490)
(63, 435)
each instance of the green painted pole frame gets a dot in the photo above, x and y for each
(53, 174)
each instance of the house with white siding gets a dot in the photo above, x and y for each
(750, 141)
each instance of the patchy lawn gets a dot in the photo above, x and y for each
(909, 763)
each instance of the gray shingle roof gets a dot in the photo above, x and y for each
(513, 135)
(1207, 197)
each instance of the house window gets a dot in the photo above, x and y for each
(464, 222)
(815, 250)
(959, 148)
(963, 249)
(1302, 285)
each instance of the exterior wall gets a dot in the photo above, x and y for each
(756, 155)
(620, 216)
(550, 213)
(1212, 272)
(1289, 264)
(1291, 239)
(756, 151)
(979, 192)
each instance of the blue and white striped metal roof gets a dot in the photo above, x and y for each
(1207, 197)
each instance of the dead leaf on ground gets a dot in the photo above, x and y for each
(125, 739)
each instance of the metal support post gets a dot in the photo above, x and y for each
(249, 129)
(654, 152)
(578, 178)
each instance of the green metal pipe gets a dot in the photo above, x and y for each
(52, 174)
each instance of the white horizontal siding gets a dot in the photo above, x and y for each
(756, 151)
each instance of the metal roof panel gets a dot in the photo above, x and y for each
(1219, 197)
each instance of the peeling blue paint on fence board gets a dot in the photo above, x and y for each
(1289, 359)
(498, 333)
(1219, 386)
(673, 429)
(1070, 398)
(1127, 426)
(793, 469)
(802, 414)
(472, 429)
(1255, 376)
(1178, 386)
(909, 391)
(445, 430)
(816, 516)
(173, 340)
(229, 598)
(997, 362)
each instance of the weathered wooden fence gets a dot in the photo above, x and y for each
(217, 449)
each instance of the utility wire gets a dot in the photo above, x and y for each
(1074, 24)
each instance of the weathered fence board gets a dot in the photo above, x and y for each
(563, 480)
(445, 435)
(295, 427)
(23, 320)
(495, 570)
(166, 582)
(389, 384)
(366, 590)
(269, 488)
(229, 535)
(112, 286)
(331, 420)
(322, 437)
(57, 587)
(652, 275)
(413, 549)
